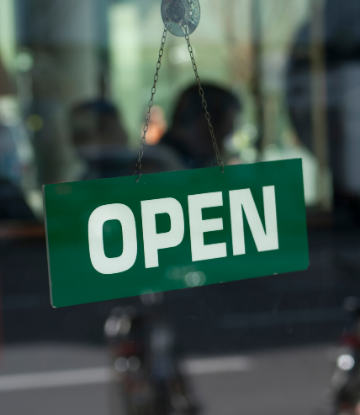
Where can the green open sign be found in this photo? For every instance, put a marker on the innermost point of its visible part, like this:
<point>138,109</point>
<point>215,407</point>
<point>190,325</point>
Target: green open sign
<point>116,238</point>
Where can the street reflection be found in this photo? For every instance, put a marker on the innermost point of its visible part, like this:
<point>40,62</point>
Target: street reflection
<point>143,348</point>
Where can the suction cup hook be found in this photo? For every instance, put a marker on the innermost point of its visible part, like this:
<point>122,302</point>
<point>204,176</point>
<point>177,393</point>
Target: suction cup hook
<point>180,17</point>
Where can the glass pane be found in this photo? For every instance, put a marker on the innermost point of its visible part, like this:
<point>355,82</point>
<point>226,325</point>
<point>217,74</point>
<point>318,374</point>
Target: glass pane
<point>281,81</point>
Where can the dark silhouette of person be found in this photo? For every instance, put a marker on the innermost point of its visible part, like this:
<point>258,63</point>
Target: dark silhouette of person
<point>342,63</point>
<point>189,136</point>
<point>101,142</point>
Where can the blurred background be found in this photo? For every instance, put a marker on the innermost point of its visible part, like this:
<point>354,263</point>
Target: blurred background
<point>282,80</point>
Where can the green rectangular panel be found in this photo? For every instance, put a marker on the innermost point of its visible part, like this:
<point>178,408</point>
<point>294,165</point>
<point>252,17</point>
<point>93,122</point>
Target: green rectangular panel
<point>116,238</point>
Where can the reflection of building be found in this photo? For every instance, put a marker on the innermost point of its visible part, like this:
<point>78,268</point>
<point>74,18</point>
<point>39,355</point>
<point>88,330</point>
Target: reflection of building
<point>7,33</point>
<point>66,41</point>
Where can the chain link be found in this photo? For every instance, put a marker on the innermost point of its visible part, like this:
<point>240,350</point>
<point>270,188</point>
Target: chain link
<point>138,165</point>
<point>219,161</point>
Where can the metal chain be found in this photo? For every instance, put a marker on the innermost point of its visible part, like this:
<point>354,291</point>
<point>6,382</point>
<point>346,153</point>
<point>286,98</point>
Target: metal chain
<point>219,161</point>
<point>138,165</point>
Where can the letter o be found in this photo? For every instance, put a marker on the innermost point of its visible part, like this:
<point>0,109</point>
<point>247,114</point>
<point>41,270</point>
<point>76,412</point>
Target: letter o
<point>99,260</point>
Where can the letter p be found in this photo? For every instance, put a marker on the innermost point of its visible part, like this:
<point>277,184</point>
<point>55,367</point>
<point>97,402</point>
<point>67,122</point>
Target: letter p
<point>154,241</point>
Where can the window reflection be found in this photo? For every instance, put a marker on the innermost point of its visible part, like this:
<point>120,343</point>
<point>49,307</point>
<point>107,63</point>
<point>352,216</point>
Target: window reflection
<point>281,79</point>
